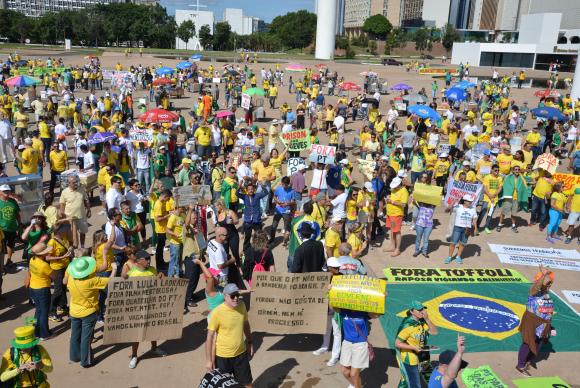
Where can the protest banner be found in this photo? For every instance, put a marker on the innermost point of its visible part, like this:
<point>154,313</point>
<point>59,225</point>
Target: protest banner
<point>138,135</point>
<point>285,303</point>
<point>428,194</point>
<point>572,296</point>
<point>218,379</point>
<point>358,293</point>
<point>187,195</point>
<point>246,100</point>
<point>144,309</point>
<point>532,261</point>
<point>547,162</point>
<point>443,149</point>
<point>456,190</point>
<point>568,181</point>
<point>545,382</point>
<point>296,140</point>
<point>401,106</point>
<point>366,167</point>
<point>293,164</point>
<point>322,154</point>
<point>566,254</point>
<point>453,275</point>
<point>515,144</point>
<point>483,376</point>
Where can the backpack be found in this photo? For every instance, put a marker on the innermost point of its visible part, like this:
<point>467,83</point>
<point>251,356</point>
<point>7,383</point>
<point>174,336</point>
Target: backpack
<point>259,266</point>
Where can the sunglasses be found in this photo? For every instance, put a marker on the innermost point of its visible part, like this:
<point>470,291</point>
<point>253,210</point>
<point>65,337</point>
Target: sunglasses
<point>234,296</point>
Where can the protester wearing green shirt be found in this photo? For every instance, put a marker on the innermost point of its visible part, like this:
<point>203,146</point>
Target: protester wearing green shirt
<point>183,174</point>
<point>9,220</point>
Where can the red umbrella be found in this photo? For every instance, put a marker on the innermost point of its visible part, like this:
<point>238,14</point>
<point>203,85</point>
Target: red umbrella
<point>349,86</point>
<point>158,116</point>
<point>162,81</point>
<point>547,93</point>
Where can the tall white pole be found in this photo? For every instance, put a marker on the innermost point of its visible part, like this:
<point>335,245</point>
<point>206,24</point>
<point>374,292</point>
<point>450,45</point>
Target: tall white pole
<point>576,81</point>
<point>325,29</point>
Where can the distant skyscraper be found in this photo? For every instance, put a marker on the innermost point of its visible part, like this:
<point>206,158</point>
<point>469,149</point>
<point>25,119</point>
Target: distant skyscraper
<point>411,13</point>
<point>461,13</point>
<point>357,11</point>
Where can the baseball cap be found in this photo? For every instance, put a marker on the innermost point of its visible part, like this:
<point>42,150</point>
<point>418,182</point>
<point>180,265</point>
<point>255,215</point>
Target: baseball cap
<point>486,152</point>
<point>185,161</point>
<point>416,305</point>
<point>142,254</point>
<point>446,356</point>
<point>402,174</point>
<point>301,167</point>
<point>466,163</point>
<point>343,161</point>
<point>384,157</point>
<point>399,146</point>
<point>162,147</point>
<point>443,155</point>
<point>230,289</point>
<point>396,182</point>
<point>336,219</point>
<point>5,188</point>
<point>333,262</point>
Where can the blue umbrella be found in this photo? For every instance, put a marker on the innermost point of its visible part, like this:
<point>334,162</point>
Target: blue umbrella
<point>456,94</point>
<point>401,86</point>
<point>464,85</point>
<point>183,65</point>
<point>424,112</point>
<point>196,57</point>
<point>164,70</point>
<point>101,137</point>
<point>549,113</point>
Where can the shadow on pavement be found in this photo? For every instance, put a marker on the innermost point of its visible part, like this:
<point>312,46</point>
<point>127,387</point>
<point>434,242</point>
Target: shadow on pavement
<point>274,376</point>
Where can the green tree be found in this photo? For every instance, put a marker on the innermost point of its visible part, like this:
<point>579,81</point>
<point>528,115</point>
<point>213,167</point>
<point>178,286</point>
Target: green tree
<point>221,36</point>
<point>341,42</point>
<point>377,26</point>
<point>186,31</point>
<point>396,38</point>
<point>295,29</point>
<point>450,35</point>
<point>373,47</point>
<point>205,36</point>
<point>423,40</point>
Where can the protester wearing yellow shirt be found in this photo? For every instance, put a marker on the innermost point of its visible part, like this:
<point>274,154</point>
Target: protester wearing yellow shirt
<point>556,212</point>
<point>492,185</point>
<point>445,127</point>
<point>332,239</point>
<point>174,229</point>
<point>573,207</point>
<point>487,118</point>
<point>202,137</point>
<point>533,137</point>
<point>504,160</point>
<point>442,169</point>
<point>541,194</point>
<point>29,159</point>
<point>469,173</point>
<point>430,160</point>
<point>396,203</point>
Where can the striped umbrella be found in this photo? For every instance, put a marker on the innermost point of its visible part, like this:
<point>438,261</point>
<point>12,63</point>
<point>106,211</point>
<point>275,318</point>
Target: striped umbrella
<point>22,81</point>
<point>295,67</point>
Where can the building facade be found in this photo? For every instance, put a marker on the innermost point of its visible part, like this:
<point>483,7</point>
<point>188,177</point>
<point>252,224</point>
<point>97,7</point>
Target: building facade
<point>37,8</point>
<point>357,11</point>
<point>199,18</point>
<point>412,13</point>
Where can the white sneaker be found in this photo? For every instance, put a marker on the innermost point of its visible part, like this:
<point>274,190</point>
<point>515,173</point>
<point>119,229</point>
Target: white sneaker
<point>332,362</point>
<point>159,352</point>
<point>320,351</point>
<point>133,363</point>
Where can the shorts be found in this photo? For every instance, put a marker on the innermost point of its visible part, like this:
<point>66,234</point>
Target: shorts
<point>354,355</point>
<point>394,223</point>
<point>9,239</point>
<point>573,218</point>
<point>82,225</point>
<point>509,207</point>
<point>459,235</point>
<point>239,366</point>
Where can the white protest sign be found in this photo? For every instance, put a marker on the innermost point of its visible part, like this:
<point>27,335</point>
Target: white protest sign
<point>293,164</point>
<point>246,101</point>
<point>322,154</point>
<point>137,134</point>
<point>216,80</point>
<point>443,149</point>
<point>569,265</point>
<point>477,152</point>
<point>572,296</point>
<point>456,190</point>
<point>565,254</point>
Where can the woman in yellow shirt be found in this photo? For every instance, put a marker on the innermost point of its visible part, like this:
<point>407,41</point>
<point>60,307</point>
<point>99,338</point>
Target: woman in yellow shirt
<point>357,240</point>
<point>350,206</point>
<point>38,278</point>
<point>125,166</point>
<point>329,117</point>
<point>556,213</point>
<point>58,258</point>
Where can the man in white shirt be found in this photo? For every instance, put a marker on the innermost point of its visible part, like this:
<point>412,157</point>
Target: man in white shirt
<point>114,197</point>
<point>216,139</point>
<point>218,257</point>
<point>88,158</point>
<point>339,202</point>
<point>5,138</point>
<point>468,129</point>
<point>244,172</point>
<point>143,156</point>
<point>392,116</point>
<point>377,96</point>
<point>60,128</point>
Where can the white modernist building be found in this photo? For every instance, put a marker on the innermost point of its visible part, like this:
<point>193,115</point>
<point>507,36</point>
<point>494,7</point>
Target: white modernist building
<point>325,29</point>
<point>239,23</point>
<point>199,18</point>
<point>536,48</point>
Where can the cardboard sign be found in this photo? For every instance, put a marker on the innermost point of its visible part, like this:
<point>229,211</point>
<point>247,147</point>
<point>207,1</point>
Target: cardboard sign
<point>216,80</point>
<point>428,194</point>
<point>569,265</point>
<point>565,254</point>
<point>246,99</point>
<point>400,106</point>
<point>139,135</point>
<point>443,149</point>
<point>144,309</point>
<point>546,162</point>
<point>293,164</point>
<point>285,303</point>
<point>296,140</point>
<point>535,382</point>
<point>367,168</point>
<point>572,296</point>
<point>483,376</point>
<point>568,181</point>
<point>187,195</point>
<point>456,190</point>
<point>453,275</point>
<point>358,293</point>
<point>322,154</point>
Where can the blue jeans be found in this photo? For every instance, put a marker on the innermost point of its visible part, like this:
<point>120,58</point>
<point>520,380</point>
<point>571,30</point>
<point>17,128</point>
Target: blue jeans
<point>103,295</point>
<point>539,211</point>
<point>120,259</point>
<point>144,178</point>
<point>555,219</point>
<point>41,299</point>
<point>483,214</point>
<point>423,233</point>
<point>81,337</point>
<point>174,259</point>
<point>413,377</point>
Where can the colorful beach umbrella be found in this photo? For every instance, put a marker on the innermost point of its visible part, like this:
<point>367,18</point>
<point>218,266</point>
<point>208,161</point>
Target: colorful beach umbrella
<point>183,65</point>
<point>456,94</point>
<point>162,81</point>
<point>424,112</point>
<point>349,86</point>
<point>164,70</point>
<point>549,113</point>
<point>22,81</point>
<point>401,86</point>
<point>464,85</point>
<point>295,67</point>
<point>255,92</point>
<point>223,113</point>
<point>158,116</point>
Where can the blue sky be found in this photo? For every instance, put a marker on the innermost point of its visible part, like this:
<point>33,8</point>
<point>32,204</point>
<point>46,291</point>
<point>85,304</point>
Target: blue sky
<point>263,9</point>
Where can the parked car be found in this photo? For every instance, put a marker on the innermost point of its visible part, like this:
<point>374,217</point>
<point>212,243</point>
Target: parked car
<point>391,62</point>
<point>427,56</point>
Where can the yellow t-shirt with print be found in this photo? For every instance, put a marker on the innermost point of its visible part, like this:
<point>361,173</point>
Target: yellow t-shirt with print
<point>414,336</point>
<point>543,187</point>
<point>58,249</point>
<point>492,184</point>
<point>175,224</point>
<point>505,163</point>
<point>351,210</point>
<point>441,168</point>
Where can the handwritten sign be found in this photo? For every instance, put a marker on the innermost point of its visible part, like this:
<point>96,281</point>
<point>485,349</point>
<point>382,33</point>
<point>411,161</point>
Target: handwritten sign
<point>428,194</point>
<point>568,181</point>
<point>246,100</point>
<point>483,376</point>
<point>367,167</point>
<point>296,140</point>
<point>322,154</point>
<point>547,382</point>
<point>144,309</point>
<point>359,293</point>
<point>443,149</point>
<point>139,135</point>
<point>547,162</point>
<point>187,195</point>
<point>293,164</point>
<point>456,190</point>
<point>285,303</point>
